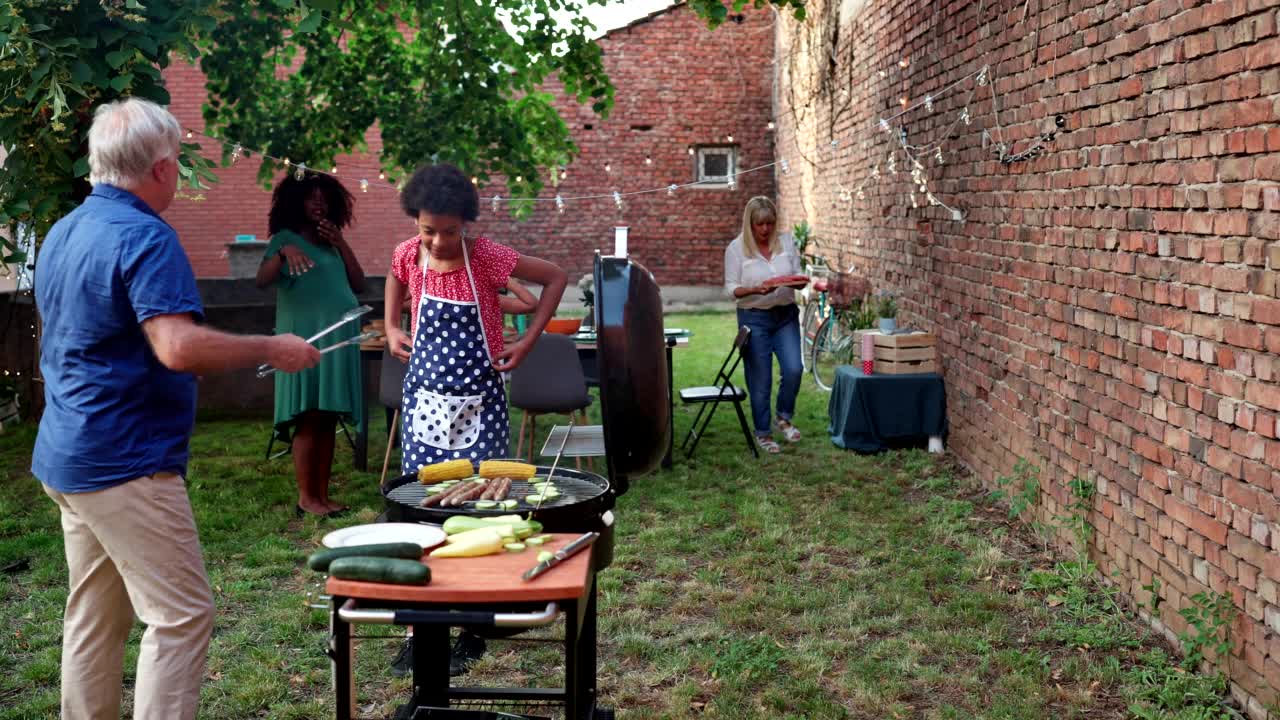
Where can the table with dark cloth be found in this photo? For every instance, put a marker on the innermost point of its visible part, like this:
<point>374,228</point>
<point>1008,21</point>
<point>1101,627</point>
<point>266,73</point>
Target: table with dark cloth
<point>874,412</point>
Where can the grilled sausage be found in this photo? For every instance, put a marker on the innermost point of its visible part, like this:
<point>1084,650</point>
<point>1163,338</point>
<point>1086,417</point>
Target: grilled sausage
<point>490,489</point>
<point>471,493</point>
<point>504,490</point>
<point>440,497</point>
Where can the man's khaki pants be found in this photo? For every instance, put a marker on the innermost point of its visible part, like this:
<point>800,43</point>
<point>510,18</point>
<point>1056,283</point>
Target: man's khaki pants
<point>133,548</point>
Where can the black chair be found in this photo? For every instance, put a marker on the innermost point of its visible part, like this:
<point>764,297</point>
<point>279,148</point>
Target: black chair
<point>723,390</point>
<point>390,393</point>
<point>550,380</point>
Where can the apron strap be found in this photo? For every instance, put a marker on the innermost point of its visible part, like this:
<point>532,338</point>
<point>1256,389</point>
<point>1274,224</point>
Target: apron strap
<point>484,334</point>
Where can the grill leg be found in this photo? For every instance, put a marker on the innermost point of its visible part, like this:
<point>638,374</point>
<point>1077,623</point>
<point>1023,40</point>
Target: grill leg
<point>431,665</point>
<point>340,658</point>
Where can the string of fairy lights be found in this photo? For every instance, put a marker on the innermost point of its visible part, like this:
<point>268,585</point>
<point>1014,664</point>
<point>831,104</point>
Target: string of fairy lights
<point>914,158</point>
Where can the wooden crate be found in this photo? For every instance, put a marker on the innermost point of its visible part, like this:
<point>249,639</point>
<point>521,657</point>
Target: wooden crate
<point>906,353</point>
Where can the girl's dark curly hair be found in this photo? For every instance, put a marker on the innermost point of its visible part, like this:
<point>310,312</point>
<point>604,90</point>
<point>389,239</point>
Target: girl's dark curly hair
<point>288,202</point>
<point>440,190</point>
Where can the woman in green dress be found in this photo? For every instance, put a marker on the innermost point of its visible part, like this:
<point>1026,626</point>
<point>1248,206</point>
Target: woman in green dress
<point>316,277</point>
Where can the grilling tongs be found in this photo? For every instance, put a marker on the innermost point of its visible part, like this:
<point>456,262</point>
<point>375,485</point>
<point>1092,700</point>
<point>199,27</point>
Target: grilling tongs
<point>265,369</point>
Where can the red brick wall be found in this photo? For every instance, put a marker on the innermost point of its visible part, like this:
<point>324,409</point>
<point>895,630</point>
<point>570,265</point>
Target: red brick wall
<point>1108,310</point>
<point>690,85</point>
<point>209,219</point>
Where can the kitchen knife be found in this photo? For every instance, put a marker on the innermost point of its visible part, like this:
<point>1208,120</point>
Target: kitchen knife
<point>561,555</point>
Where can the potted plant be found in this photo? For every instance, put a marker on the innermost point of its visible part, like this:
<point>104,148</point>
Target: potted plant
<point>887,311</point>
<point>587,285</point>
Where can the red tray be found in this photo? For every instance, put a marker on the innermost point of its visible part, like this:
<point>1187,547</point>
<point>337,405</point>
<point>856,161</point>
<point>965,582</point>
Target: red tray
<point>484,580</point>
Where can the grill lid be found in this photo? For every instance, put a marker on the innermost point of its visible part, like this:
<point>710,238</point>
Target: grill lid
<point>632,357</point>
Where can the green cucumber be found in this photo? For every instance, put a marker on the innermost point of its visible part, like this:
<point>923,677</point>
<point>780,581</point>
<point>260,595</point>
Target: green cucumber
<point>509,503</point>
<point>381,570</point>
<point>486,504</point>
<point>514,547</point>
<point>535,540</point>
<point>545,556</point>
<point>322,559</point>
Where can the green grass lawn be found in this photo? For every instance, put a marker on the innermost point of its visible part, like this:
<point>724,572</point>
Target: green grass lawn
<point>814,584</point>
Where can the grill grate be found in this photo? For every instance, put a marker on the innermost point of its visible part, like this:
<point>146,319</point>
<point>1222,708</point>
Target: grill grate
<point>573,490</point>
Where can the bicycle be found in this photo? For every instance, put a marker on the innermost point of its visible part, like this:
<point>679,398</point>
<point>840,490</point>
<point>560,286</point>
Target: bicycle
<point>836,341</point>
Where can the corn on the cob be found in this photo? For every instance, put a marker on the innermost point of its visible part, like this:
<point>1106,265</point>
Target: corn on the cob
<point>506,468</point>
<point>449,470</point>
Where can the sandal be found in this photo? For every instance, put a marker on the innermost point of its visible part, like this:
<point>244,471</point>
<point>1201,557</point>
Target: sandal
<point>768,444</point>
<point>788,430</point>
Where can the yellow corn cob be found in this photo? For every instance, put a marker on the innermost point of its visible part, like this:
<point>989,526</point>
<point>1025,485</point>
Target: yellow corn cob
<point>506,468</point>
<point>449,470</point>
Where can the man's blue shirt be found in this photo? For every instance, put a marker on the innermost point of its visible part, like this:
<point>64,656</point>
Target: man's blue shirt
<point>112,411</point>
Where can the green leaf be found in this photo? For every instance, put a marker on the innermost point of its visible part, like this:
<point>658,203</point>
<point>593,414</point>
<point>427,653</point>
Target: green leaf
<point>116,58</point>
<point>120,82</point>
<point>81,168</point>
<point>326,5</point>
<point>81,72</point>
<point>309,23</point>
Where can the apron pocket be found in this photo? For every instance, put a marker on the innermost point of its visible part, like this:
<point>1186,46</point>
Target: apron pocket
<point>446,422</point>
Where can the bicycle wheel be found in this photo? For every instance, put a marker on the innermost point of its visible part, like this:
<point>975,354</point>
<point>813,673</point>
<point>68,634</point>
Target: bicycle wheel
<point>833,346</point>
<point>810,321</point>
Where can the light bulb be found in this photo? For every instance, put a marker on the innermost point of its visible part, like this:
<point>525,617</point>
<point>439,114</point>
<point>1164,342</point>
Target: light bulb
<point>334,170</point>
<point>770,125</point>
<point>496,200</point>
<point>903,101</point>
<point>559,204</point>
<point>733,183</point>
<point>235,153</point>
<point>382,176</point>
<point>903,63</point>
<point>928,103</point>
<point>188,134</point>
<point>608,167</point>
<point>671,189</point>
<point>786,166</point>
<point>519,178</point>
<point>690,149</point>
<point>301,172</point>
<point>728,138</point>
<point>617,199</point>
<point>364,185</point>
<point>648,160</point>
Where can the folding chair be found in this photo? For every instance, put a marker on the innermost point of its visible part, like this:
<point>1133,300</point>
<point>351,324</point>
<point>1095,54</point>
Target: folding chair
<point>549,381</point>
<point>723,390</point>
<point>390,394</point>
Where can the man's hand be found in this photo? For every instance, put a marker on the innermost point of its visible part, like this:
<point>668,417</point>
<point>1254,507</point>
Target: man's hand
<point>399,343</point>
<point>295,259</point>
<point>290,353</point>
<point>512,355</point>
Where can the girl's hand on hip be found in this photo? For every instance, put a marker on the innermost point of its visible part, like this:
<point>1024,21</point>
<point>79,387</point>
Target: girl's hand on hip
<point>512,355</point>
<point>399,343</point>
<point>295,260</point>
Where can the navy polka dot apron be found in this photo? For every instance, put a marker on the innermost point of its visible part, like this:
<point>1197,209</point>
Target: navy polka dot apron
<point>454,402</point>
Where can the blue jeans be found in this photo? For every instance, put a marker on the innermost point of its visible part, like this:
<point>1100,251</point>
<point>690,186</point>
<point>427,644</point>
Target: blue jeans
<point>775,331</point>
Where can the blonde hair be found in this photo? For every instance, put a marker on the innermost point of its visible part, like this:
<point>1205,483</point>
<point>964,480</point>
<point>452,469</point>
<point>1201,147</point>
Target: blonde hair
<point>759,208</point>
<point>128,137</point>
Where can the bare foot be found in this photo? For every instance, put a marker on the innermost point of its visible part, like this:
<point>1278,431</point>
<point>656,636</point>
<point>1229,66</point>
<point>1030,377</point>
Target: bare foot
<point>312,506</point>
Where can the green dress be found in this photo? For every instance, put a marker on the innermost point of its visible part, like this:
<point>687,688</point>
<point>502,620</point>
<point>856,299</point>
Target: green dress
<point>305,305</point>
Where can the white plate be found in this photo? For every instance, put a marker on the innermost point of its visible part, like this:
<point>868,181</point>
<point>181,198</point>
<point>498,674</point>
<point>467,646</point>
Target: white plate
<point>428,536</point>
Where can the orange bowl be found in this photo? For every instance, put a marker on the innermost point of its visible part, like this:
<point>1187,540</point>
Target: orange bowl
<point>563,326</point>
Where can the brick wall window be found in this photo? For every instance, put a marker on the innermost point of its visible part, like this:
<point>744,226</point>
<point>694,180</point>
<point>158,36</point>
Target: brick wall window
<point>715,163</point>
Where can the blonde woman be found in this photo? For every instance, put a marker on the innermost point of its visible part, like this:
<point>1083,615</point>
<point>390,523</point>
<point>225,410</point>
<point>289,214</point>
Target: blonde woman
<point>755,257</point>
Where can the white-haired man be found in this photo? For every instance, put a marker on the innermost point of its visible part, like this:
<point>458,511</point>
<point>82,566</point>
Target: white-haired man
<point>120,352</point>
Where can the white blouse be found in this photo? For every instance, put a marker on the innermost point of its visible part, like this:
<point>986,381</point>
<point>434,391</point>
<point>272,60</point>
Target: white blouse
<point>743,271</point>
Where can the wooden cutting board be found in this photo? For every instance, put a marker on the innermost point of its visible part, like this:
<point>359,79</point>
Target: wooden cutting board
<point>484,580</point>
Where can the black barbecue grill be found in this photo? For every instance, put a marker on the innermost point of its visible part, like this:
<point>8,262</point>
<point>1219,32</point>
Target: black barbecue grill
<point>635,402</point>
